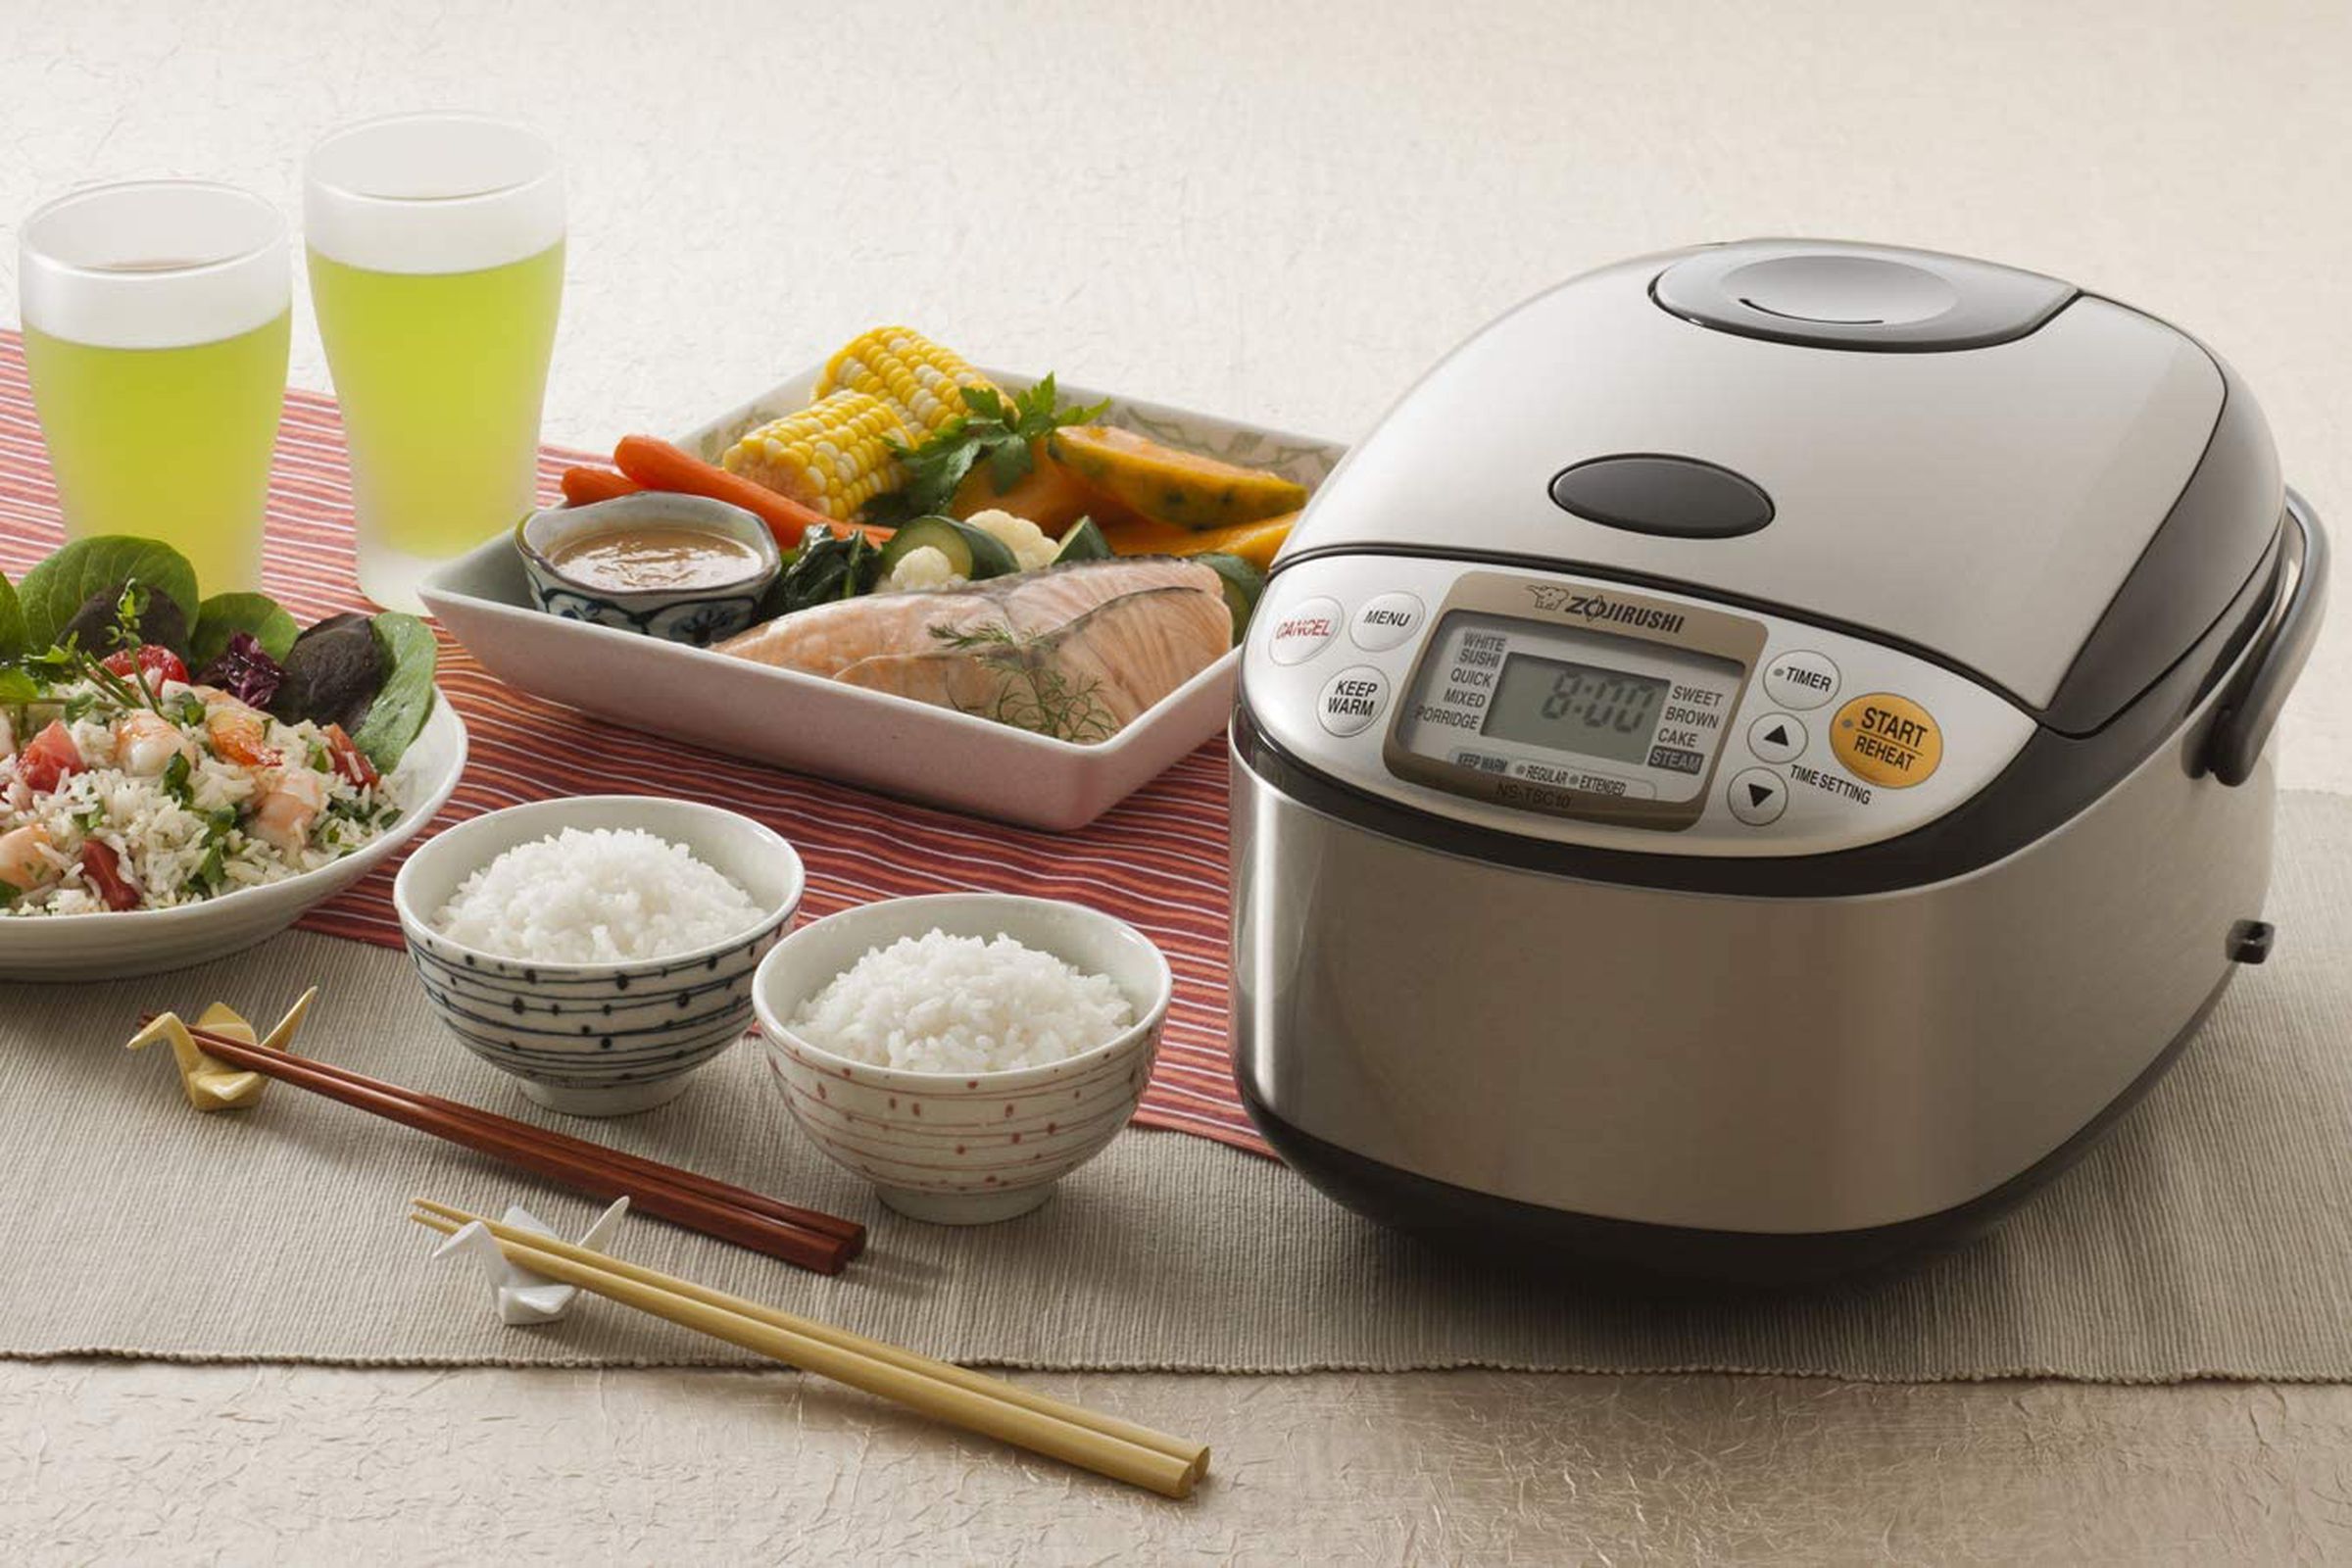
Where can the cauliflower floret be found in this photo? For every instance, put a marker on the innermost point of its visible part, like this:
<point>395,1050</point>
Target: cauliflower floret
<point>923,567</point>
<point>1030,547</point>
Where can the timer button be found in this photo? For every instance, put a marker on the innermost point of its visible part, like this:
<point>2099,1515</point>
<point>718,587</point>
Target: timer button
<point>1802,680</point>
<point>1385,621</point>
<point>1304,630</point>
<point>1758,796</point>
<point>1777,738</point>
<point>1352,700</point>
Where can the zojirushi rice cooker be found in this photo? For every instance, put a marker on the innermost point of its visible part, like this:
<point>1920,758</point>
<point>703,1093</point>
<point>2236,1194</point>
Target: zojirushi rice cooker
<point>1759,758</point>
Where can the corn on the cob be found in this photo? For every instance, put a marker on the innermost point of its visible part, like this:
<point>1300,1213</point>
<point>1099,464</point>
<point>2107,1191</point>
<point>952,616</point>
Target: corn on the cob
<point>834,455</point>
<point>922,382</point>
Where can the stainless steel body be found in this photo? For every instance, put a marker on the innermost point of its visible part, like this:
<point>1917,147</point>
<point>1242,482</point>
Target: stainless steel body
<point>1769,1064</point>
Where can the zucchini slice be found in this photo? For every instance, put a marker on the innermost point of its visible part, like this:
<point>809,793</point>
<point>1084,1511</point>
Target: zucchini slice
<point>1242,584</point>
<point>972,553</point>
<point>1083,542</point>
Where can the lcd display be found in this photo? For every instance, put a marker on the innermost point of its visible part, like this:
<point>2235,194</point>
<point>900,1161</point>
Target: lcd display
<point>1579,709</point>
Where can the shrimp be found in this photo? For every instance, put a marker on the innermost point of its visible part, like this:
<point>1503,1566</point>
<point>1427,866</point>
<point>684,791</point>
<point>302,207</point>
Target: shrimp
<point>237,732</point>
<point>22,864</point>
<point>146,742</point>
<point>289,802</point>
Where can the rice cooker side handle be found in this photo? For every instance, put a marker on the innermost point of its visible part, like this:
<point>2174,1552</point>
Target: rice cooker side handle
<point>2244,724</point>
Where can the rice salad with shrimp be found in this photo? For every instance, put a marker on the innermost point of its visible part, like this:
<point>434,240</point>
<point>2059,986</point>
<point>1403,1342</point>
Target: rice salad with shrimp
<point>147,794</point>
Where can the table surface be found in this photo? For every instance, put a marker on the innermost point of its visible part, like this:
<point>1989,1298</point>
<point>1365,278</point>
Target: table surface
<point>1286,216</point>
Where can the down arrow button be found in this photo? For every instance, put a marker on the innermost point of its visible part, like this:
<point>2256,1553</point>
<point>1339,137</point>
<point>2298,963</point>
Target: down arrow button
<point>1758,796</point>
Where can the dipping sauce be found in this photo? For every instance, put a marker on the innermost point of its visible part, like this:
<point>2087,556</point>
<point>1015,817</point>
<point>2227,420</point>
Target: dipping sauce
<point>656,555</point>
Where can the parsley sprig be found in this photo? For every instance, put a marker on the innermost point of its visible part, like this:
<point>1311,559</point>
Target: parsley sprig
<point>992,428</point>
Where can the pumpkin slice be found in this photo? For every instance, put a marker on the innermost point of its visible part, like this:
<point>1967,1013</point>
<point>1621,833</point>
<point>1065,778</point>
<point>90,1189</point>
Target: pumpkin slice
<point>1166,486</point>
<point>1253,542</point>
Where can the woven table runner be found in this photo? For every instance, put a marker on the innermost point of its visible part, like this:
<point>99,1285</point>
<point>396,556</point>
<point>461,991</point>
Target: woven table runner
<point>2209,1236</point>
<point>1158,860</point>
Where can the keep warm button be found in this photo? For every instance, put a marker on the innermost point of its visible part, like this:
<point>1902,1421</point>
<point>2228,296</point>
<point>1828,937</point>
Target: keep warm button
<point>1353,699</point>
<point>1885,739</point>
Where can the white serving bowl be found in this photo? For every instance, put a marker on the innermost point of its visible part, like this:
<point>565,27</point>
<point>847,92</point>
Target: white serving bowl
<point>597,1039</point>
<point>120,944</point>
<point>965,1148</point>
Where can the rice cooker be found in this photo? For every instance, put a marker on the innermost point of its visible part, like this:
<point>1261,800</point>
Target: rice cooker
<point>1758,758</point>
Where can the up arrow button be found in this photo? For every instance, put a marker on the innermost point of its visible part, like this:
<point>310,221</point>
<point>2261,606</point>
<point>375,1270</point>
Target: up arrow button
<point>1777,738</point>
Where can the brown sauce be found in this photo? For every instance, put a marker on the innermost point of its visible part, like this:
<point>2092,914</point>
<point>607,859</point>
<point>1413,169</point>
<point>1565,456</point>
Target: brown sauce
<point>656,555</point>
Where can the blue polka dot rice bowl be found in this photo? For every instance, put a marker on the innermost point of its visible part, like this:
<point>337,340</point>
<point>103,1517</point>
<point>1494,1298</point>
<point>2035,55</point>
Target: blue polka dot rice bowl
<point>602,1038</point>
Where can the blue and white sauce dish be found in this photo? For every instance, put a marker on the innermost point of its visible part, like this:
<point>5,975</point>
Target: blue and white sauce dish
<point>600,1039</point>
<point>697,614</point>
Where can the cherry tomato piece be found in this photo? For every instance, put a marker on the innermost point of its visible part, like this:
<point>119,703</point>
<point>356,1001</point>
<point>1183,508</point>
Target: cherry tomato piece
<point>153,661</point>
<point>102,868</point>
<point>49,759</point>
<point>350,761</point>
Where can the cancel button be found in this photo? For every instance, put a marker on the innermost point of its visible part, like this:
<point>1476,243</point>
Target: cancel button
<point>1352,700</point>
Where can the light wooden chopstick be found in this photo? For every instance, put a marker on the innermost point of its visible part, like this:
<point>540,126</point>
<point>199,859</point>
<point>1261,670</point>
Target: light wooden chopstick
<point>992,1406</point>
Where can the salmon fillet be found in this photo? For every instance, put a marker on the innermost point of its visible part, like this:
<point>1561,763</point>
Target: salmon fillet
<point>1078,651</point>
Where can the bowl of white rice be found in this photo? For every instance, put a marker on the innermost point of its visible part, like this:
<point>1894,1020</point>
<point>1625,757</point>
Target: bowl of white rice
<point>601,948</point>
<point>966,1051</point>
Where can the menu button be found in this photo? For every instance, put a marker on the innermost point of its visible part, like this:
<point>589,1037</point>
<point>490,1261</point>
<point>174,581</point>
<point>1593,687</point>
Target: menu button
<point>1385,621</point>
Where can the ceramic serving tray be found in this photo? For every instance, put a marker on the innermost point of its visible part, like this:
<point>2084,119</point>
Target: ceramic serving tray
<point>813,725</point>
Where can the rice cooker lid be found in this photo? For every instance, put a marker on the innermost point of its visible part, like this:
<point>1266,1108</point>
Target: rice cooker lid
<point>2050,490</point>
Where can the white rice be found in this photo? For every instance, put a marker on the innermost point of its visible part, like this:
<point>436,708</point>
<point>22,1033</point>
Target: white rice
<point>600,896</point>
<point>941,1003</point>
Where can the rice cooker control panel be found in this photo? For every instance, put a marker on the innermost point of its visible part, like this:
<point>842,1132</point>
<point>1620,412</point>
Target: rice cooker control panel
<point>1589,713</point>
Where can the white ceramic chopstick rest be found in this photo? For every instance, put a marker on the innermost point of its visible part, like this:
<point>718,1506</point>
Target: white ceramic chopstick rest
<point>524,1297</point>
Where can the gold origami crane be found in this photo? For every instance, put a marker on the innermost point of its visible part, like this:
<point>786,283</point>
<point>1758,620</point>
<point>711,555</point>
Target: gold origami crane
<point>210,1083</point>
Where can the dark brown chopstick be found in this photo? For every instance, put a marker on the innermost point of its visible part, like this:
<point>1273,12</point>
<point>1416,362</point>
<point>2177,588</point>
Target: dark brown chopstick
<point>808,1238</point>
<point>708,1186</point>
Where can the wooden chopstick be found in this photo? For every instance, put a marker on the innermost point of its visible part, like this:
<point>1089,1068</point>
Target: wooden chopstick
<point>847,1340</point>
<point>708,1186</point>
<point>574,1162</point>
<point>991,1407</point>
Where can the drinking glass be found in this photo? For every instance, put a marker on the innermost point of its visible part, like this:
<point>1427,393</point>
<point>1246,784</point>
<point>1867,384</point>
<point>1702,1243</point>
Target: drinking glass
<point>156,319</point>
<point>436,257</point>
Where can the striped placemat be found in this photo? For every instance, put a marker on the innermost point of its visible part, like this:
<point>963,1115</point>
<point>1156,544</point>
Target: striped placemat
<point>1158,860</point>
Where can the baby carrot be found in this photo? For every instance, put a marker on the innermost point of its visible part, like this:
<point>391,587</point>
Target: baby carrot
<point>656,465</point>
<point>586,486</point>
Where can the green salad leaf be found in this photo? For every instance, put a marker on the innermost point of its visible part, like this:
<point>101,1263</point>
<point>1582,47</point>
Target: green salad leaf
<point>53,592</point>
<point>223,616</point>
<point>397,715</point>
<point>11,623</point>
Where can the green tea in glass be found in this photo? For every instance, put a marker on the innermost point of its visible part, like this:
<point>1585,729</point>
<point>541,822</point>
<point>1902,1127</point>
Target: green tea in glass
<point>155,318</point>
<point>436,262</point>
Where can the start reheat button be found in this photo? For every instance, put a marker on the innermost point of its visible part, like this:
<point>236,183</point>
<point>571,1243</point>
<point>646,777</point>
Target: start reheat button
<point>1888,740</point>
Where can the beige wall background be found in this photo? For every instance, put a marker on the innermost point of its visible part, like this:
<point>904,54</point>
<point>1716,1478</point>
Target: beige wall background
<point>1283,212</point>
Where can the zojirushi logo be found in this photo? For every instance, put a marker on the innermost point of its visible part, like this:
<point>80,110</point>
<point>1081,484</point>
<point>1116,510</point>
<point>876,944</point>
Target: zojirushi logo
<point>1593,606</point>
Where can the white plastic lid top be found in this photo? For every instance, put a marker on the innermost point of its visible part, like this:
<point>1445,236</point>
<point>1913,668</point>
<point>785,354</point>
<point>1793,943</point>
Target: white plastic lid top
<point>153,265</point>
<point>432,193</point>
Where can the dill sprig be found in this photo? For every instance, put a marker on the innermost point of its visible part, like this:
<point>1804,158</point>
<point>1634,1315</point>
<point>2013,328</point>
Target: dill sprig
<point>1035,695</point>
